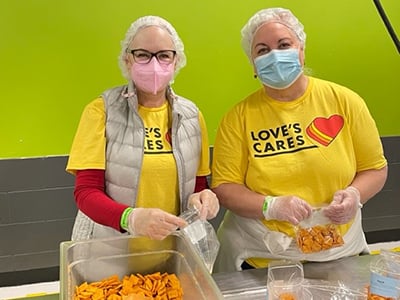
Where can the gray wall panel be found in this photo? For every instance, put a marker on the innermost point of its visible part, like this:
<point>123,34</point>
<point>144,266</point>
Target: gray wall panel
<point>7,264</point>
<point>9,235</point>
<point>384,223</point>
<point>37,211</point>
<point>34,173</point>
<point>36,260</point>
<point>391,146</point>
<point>42,236</point>
<point>31,237</point>
<point>4,209</point>
<point>28,261</point>
<point>393,180</point>
<point>21,174</point>
<point>46,204</point>
<point>382,205</point>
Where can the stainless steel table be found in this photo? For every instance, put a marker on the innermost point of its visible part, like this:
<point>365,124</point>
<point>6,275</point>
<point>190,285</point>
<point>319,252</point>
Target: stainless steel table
<point>251,284</point>
<point>353,272</point>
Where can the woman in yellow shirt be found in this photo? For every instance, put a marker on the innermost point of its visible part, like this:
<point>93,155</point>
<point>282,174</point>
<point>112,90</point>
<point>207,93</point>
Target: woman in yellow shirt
<point>140,154</point>
<point>295,145</point>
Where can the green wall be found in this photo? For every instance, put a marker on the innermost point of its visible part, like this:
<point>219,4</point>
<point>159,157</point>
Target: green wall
<point>56,56</point>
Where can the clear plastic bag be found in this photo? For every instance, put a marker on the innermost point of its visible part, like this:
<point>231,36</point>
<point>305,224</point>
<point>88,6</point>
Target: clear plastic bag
<point>385,276</point>
<point>286,281</point>
<point>322,289</point>
<point>317,233</point>
<point>202,235</point>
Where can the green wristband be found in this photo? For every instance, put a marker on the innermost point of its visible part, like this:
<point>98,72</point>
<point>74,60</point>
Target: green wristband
<point>124,218</point>
<point>267,200</point>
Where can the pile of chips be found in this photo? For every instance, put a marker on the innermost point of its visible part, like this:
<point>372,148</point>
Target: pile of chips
<point>155,286</point>
<point>377,297</point>
<point>287,296</point>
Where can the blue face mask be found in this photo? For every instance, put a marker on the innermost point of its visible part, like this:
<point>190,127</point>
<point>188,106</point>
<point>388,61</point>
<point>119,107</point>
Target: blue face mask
<point>278,69</point>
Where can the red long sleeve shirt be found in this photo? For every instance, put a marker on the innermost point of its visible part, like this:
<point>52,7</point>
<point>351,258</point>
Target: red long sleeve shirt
<point>91,199</point>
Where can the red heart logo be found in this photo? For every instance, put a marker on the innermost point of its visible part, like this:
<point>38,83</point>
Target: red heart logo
<point>324,130</point>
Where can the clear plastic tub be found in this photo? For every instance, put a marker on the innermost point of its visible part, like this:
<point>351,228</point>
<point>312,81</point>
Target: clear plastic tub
<point>93,260</point>
<point>385,276</point>
<point>285,281</point>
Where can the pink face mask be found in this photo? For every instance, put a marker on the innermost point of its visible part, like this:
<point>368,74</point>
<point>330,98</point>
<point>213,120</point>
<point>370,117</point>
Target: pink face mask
<point>153,76</point>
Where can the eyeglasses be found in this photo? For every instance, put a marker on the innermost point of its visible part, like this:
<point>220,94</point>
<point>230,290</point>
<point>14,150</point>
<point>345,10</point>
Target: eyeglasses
<point>142,56</point>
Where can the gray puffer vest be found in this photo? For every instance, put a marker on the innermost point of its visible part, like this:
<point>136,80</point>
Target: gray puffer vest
<point>125,135</point>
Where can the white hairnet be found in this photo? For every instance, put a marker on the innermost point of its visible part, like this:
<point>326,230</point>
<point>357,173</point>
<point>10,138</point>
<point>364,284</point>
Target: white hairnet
<point>145,22</point>
<point>277,14</point>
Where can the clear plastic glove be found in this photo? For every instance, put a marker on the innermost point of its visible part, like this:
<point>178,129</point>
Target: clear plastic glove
<point>206,202</point>
<point>344,206</point>
<point>153,223</point>
<point>288,208</point>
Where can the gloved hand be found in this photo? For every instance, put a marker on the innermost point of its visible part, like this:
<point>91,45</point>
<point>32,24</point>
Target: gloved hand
<point>287,208</point>
<point>153,223</point>
<point>206,202</point>
<point>344,205</point>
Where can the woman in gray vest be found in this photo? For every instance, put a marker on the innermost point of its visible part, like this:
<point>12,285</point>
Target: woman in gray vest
<point>140,154</point>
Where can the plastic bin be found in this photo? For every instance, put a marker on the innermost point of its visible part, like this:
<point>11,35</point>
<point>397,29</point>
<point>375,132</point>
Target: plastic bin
<point>93,260</point>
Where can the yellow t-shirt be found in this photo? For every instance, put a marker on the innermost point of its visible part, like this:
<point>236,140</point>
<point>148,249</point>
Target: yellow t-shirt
<point>158,179</point>
<point>309,147</point>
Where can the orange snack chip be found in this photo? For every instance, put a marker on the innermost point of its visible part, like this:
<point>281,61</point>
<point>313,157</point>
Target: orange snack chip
<point>377,297</point>
<point>155,286</point>
<point>287,296</point>
<point>318,238</point>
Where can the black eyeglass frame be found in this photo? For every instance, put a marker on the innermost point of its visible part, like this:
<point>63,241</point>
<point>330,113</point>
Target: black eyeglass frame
<point>153,54</point>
